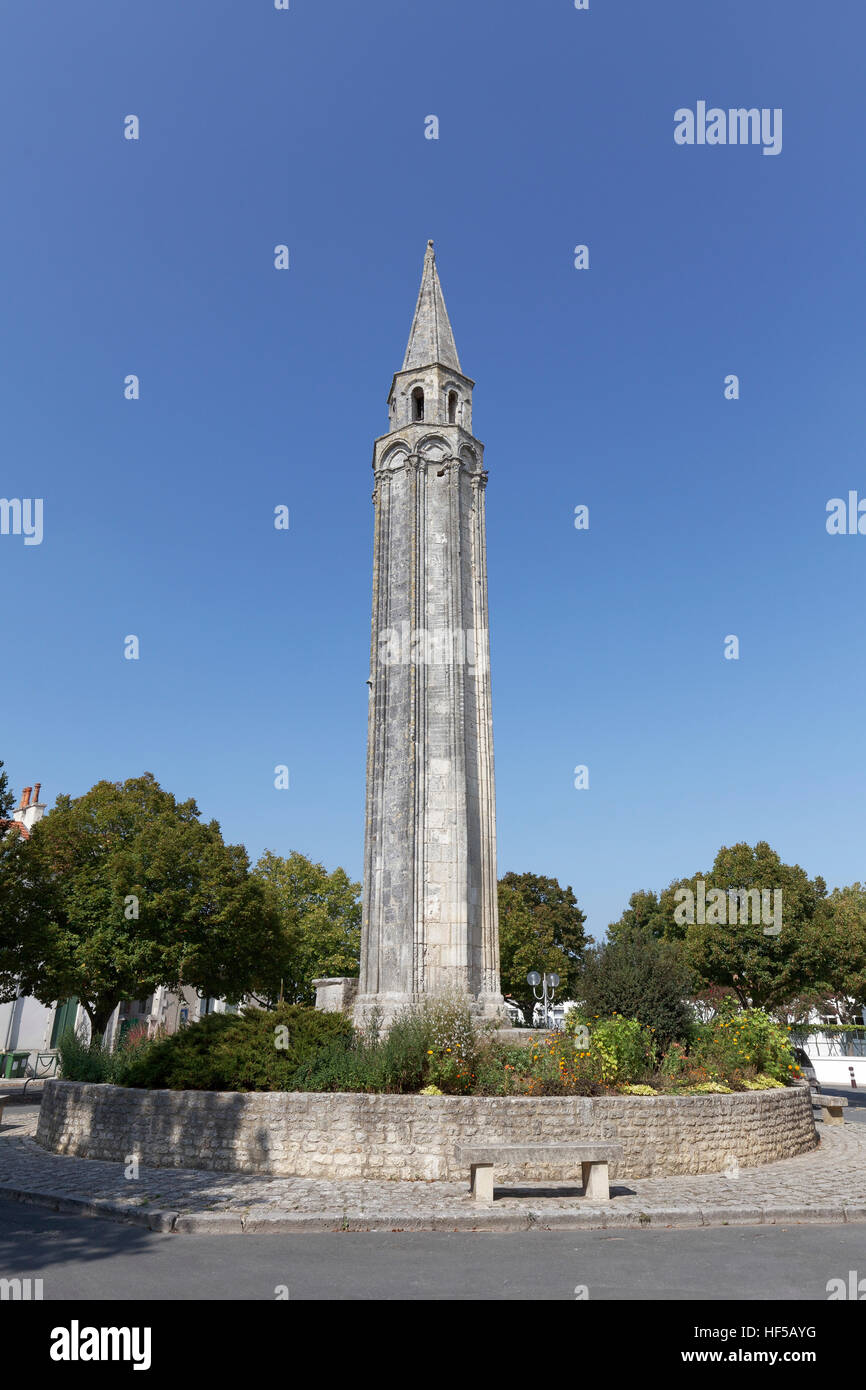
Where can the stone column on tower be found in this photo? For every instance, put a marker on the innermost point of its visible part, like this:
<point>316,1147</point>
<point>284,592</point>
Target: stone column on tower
<point>430,922</point>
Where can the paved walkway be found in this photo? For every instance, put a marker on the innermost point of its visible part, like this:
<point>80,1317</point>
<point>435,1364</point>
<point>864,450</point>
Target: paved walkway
<point>826,1185</point>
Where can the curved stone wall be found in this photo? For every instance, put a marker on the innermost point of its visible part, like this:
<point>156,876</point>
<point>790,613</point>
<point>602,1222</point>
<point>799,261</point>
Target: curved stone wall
<point>306,1134</point>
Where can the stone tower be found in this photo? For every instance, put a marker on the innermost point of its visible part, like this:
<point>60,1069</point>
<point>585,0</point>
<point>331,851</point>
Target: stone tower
<point>430,921</point>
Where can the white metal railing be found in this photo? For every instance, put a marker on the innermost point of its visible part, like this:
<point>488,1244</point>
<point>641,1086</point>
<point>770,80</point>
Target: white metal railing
<point>818,1044</point>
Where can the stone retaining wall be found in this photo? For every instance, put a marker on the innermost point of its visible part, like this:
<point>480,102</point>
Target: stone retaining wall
<point>305,1134</point>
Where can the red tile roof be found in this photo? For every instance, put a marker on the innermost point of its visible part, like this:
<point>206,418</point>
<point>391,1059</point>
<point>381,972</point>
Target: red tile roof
<point>6,825</point>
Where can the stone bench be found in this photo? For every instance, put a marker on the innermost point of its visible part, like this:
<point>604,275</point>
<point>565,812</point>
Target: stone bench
<point>831,1108</point>
<point>593,1159</point>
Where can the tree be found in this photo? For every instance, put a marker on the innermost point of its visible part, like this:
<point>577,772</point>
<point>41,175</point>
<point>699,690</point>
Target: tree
<point>645,912</point>
<point>640,976</point>
<point>7,797</point>
<point>125,889</point>
<point>540,928</point>
<point>320,925</point>
<point>763,969</point>
<point>836,943</point>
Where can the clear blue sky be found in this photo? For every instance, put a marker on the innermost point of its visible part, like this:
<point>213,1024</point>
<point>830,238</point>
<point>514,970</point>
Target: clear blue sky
<point>604,387</point>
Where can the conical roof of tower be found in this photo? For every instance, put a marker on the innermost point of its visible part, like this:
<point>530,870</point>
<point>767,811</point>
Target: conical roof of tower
<point>430,337</point>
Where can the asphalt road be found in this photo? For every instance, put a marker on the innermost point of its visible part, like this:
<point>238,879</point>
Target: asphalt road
<point>81,1258</point>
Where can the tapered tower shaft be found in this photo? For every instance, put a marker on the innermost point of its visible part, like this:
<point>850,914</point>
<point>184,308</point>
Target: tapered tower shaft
<point>430,920</point>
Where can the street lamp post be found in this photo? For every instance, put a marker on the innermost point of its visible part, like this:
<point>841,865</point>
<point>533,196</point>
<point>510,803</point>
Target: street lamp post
<point>549,983</point>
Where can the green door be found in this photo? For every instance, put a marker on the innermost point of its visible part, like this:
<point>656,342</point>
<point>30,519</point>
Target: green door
<point>64,1019</point>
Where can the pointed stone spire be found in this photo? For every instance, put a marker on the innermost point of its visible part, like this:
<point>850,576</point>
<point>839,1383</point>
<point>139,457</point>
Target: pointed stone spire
<point>430,338</point>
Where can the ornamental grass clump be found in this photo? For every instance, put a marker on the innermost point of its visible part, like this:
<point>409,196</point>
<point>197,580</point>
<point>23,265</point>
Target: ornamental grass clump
<point>91,1060</point>
<point>82,1060</point>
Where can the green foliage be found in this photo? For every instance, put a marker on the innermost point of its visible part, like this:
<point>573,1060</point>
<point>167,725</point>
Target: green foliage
<point>557,1066</point>
<point>432,1049</point>
<point>83,1060</point>
<point>763,970</point>
<point>540,928</point>
<point>432,1043</point>
<point>7,798</point>
<point>627,1047</point>
<point>452,1044</point>
<point>501,1070</point>
<point>640,977</point>
<point>674,1064</point>
<point>837,949</point>
<point>399,1060</point>
<point>125,889</point>
<point>821,947</point>
<point>341,1067</point>
<point>745,1044</point>
<point>319,914</point>
<point>646,913</point>
<point>259,1050</point>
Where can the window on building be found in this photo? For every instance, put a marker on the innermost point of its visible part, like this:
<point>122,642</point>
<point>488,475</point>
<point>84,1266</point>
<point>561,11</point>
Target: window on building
<point>417,404</point>
<point>452,407</point>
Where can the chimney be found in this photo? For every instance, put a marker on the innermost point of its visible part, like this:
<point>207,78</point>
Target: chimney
<point>29,812</point>
<point>36,790</point>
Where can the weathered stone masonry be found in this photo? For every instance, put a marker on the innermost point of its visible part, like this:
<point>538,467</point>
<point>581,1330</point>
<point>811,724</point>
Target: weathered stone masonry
<point>307,1134</point>
<point>429,915</point>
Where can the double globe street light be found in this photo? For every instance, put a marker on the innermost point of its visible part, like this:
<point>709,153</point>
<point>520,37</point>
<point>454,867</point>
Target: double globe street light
<point>549,983</point>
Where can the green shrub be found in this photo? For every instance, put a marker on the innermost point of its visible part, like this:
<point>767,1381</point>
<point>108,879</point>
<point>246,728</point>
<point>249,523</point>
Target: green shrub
<point>626,1047</point>
<point>501,1070</point>
<point>637,976</point>
<point>129,1051</point>
<point>338,1067</point>
<point>555,1066</point>
<point>431,1043</point>
<point>81,1060</point>
<point>623,1048</point>
<point>259,1050</point>
<point>433,1048</point>
<point>743,1044</point>
<point>674,1064</point>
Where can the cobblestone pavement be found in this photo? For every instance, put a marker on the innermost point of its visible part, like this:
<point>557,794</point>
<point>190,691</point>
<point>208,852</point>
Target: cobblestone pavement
<point>826,1185</point>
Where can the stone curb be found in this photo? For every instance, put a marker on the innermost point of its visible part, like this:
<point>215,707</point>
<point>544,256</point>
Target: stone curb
<point>590,1218</point>
<point>153,1218</point>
